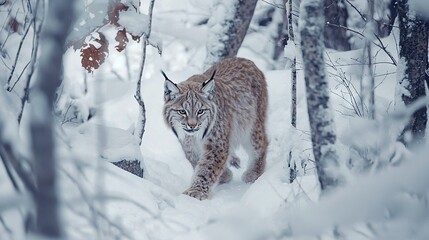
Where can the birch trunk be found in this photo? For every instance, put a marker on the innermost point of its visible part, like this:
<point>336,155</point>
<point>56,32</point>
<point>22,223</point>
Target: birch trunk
<point>367,80</point>
<point>225,37</point>
<point>53,37</point>
<point>318,105</point>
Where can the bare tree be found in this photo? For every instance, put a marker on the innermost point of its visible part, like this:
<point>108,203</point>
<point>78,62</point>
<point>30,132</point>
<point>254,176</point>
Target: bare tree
<point>225,37</point>
<point>280,38</point>
<point>335,32</point>
<point>367,80</point>
<point>141,121</point>
<point>293,66</point>
<point>413,61</point>
<point>318,105</point>
<point>53,37</point>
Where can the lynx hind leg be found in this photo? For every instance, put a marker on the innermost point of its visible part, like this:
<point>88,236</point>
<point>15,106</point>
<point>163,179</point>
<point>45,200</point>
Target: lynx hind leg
<point>257,150</point>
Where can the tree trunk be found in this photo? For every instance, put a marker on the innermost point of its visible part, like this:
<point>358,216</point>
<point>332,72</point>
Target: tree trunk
<point>58,22</point>
<point>336,15</point>
<point>318,105</point>
<point>413,61</point>
<point>141,120</point>
<point>225,37</point>
<point>367,80</point>
<point>385,25</point>
<point>280,37</point>
<point>293,67</point>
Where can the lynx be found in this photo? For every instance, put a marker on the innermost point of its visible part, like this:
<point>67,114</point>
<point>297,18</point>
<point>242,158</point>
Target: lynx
<point>214,113</point>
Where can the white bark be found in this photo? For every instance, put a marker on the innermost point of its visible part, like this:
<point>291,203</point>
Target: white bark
<point>367,80</point>
<point>58,22</point>
<point>320,115</point>
<point>141,121</point>
<point>229,25</point>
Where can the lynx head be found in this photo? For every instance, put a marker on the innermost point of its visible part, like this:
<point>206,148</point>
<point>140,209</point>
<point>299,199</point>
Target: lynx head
<point>188,107</point>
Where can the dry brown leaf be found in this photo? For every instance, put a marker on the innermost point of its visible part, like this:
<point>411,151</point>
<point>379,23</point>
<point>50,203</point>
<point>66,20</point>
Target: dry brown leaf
<point>115,6</point>
<point>13,25</point>
<point>92,56</point>
<point>122,39</point>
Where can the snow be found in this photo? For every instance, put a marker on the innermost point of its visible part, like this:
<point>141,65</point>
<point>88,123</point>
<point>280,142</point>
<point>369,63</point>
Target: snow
<point>420,7</point>
<point>387,202</point>
<point>135,23</point>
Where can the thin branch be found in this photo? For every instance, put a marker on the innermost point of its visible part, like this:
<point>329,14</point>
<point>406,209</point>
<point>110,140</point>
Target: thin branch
<point>137,96</point>
<point>274,4</point>
<point>32,62</point>
<point>346,28</point>
<point>18,53</point>
<point>380,44</point>
<point>357,10</point>
<point>9,172</point>
<point>6,153</point>
<point>385,50</point>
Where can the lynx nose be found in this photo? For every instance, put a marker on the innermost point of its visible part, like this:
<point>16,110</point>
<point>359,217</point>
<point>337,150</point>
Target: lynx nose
<point>192,123</point>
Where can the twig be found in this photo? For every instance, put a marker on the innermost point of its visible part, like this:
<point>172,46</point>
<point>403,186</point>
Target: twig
<point>346,28</point>
<point>380,44</point>
<point>6,153</point>
<point>385,50</point>
<point>32,62</point>
<point>17,57</point>
<point>274,4</point>
<point>9,172</point>
<point>357,10</point>
<point>142,115</point>
<point>3,223</point>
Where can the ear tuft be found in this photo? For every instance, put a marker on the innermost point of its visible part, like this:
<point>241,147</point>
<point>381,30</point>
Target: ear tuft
<point>171,90</point>
<point>208,86</point>
<point>165,75</point>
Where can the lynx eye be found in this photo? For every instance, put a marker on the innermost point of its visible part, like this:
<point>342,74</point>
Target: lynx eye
<point>201,111</point>
<point>181,112</point>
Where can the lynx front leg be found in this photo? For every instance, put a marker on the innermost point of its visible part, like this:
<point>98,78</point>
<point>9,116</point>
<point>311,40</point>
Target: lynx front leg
<point>192,150</point>
<point>208,169</point>
<point>258,152</point>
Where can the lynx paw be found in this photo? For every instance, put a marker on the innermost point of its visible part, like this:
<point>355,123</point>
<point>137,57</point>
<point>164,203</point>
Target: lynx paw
<point>196,193</point>
<point>250,176</point>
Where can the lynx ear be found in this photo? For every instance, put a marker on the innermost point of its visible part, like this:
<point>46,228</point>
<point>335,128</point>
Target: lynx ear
<point>170,88</point>
<point>208,87</point>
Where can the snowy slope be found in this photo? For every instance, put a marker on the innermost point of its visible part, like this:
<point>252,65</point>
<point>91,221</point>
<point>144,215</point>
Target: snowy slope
<point>153,207</point>
<point>167,172</point>
<point>98,195</point>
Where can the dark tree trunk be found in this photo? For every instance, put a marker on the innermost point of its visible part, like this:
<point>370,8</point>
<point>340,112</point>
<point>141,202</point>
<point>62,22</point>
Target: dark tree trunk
<point>281,37</point>
<point>230,35</point>
<point>318,105</point>
<point>385,25</point>
<point>293,66</point>
<point>336,16</point>
<point>58,22</point>
<point>413,61</point>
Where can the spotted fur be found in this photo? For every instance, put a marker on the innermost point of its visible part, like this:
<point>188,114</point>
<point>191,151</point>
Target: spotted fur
<point>215,112</point>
